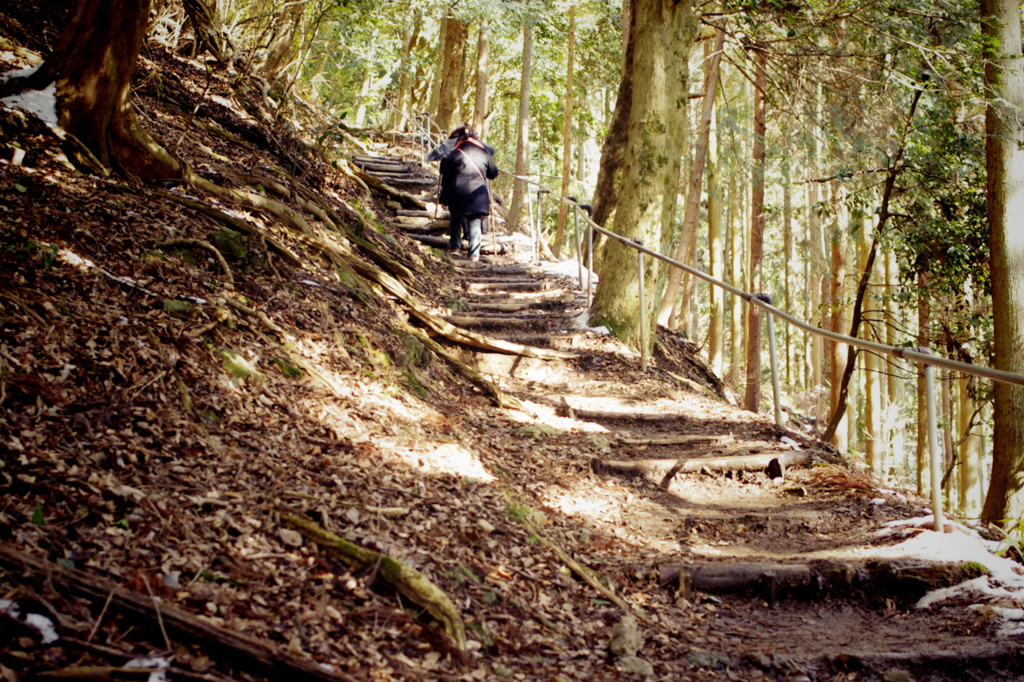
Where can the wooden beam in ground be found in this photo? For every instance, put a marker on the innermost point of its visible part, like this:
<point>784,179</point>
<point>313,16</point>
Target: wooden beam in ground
<point>662,471</point>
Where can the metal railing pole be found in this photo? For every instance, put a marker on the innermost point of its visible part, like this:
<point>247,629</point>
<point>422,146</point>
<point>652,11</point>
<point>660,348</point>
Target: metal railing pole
<point>535,247</point>
<point>643,308</point>
<point>590,263</point>
<point>576,232</point>
<point>935,462</point>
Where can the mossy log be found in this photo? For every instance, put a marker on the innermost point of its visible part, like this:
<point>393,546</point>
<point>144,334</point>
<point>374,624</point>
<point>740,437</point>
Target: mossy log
<point>407,580</point>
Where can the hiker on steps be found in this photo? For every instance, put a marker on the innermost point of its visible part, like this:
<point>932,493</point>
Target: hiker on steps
<point>465,192</point>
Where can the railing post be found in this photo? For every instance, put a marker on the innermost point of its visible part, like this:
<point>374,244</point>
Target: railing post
<point>540,221</point>
<point>590,253</point>
<point>774,358</point>
<point>533,228</point>
<point>643,308</point>
<point>576,232</point>
<point>935,461</point>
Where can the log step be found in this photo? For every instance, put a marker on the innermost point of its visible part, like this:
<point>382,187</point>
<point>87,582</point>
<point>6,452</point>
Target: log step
<point>532,286</point>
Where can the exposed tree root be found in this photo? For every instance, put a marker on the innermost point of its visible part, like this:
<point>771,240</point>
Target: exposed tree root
<point>467,372</point>
<point>407,580</point>
<point>200,244</point>
<point>237,224</point>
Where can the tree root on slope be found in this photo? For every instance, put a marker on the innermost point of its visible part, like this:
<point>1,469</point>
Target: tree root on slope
<point>407,580</point>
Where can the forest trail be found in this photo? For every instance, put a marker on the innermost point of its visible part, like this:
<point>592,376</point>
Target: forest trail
<point>792,565</point>
<point>169,418</point>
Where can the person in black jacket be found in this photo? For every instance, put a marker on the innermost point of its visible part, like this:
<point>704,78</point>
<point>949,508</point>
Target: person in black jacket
<point>465,171</point>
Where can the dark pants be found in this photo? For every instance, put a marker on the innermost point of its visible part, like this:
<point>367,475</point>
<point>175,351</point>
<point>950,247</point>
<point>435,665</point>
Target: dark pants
<point>472,225</point>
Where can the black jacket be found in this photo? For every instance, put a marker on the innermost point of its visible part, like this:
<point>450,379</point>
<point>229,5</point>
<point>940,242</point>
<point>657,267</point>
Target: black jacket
<point>463,172</point>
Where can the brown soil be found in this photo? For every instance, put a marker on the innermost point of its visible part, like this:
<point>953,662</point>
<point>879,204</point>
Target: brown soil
<point>135,451</point>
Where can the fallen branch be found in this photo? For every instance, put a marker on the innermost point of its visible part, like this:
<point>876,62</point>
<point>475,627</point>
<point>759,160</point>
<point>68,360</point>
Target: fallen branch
<point>407,580</point>
<point>239,650</point>
<point>587,575</point>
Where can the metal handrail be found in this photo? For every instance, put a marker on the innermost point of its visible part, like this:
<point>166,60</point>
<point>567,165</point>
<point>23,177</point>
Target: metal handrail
<point>921,356</point>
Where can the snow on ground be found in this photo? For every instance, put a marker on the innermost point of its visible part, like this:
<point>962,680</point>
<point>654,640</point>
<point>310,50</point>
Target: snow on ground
<point>40,103</point>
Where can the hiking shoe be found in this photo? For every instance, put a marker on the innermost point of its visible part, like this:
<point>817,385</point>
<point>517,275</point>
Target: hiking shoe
<point>475,259</point>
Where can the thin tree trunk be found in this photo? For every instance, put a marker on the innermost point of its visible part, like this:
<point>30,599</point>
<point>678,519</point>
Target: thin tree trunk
<point>752,396</point>
<point>404,102</point>
<point>839,403</point>
<point>923,441</point>
<point>519,187</point>
<point>563,208</point>
<point>688,231</point>
<point>483,67</point>
<point>716,256</point>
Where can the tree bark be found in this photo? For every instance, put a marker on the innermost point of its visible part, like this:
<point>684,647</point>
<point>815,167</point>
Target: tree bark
<point>752,395</point>
<point>453,56</point>
<point>483,66</point>
<point>646,204</point>
<point>688,231</point>
<point>519,188</point>
<point>1004,157</point>
<point>208,29</point>
<point>92,66</point>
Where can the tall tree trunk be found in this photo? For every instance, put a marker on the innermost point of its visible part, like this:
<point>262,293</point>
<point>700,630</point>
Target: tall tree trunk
<point>520,188</point>
<point>92,66</point>
<point>404,101</point>
<point>563,208</point>
<point>969,448</point>
<point>1004,157</point>
<point>716,255</point>
<point>665,30</point>
<point>923,441</point>
<point>752,396</point>
<point>609,173</point>
<point>837,321</point>
<point>434,103</point>
<point>452,75</point>
<point>483,67</point>
<point>839,396</point>
<point>688,231</point>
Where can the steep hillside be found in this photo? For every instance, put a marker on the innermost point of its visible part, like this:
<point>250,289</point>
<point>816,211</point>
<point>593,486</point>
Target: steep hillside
<point>247,432</point>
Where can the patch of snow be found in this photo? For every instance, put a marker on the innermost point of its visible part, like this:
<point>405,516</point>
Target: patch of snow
<point>18,73</point>
<point>38,622</point>
<point>159,667</point>
<point>40,103</point>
